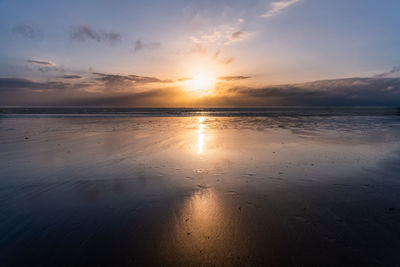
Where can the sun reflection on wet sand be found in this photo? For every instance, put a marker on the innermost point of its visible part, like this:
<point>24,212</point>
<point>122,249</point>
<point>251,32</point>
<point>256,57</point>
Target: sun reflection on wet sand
<point>200,136</point>
<point>202,231</point>
<point>196,228</point>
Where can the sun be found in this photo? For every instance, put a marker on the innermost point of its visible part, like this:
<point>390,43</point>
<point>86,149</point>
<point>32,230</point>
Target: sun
<point>202,83</point>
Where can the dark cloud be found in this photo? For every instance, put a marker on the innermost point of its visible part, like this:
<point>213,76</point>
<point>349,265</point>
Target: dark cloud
<point>238,36</point>
<point>45,69</point>
<point>111,37</point>
<point>19,83</point>
<point>233,78</point>
<point>28,31</point>
<point>340,92</point>
<point>70,77</point>
<point>152,98</point>
<point>16,83</point>
<point>144,79</point>
<point>113,81</point>
<point>386,74</point>
<point>120,81</point>
<point>85,32</point>
<point>134,78</point>
<point>140,45</point>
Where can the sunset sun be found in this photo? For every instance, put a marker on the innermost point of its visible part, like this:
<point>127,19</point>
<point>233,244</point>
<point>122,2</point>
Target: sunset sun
<point>202,83</point>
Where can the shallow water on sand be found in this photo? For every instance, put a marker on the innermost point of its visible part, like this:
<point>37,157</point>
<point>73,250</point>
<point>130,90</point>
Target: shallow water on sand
<point>277,191</point>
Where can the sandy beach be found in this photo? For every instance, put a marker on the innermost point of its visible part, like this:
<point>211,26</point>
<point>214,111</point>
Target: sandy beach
<point>189,191</point>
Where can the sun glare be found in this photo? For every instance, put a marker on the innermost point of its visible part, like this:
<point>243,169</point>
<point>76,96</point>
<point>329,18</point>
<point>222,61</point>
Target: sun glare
<point>201,83</point>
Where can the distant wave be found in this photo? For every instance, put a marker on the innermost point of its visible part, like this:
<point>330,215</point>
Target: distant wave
<point>193,112</point>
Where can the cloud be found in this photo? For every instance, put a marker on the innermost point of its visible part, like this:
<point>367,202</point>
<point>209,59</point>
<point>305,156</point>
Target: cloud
<point>119,82</point>
<point>115,82</point>
<point>216,57</point>
<point>223,34</point>
<point>184,79</point>
<point>43,62</point>
<point>12,83</point>
<point>20,83</point>
<point>13,93</point>
<point>44,65</point>
<point>229,60</point>
<point>277,7</point>
<point>28,31</point>
<point>134,78</point>
<point>139,45</point>
<point>199,49</point>
<point>233,78</point>
<point>84,32</point>
<point>238,36</point>
<point>211,37</point>
<point>144,79</point>
<point>151,98</point>
<point>386,74</point>
<point>216,54</point>
<point>340,92</point>
<point>70,77</point>
<point>111,37</point>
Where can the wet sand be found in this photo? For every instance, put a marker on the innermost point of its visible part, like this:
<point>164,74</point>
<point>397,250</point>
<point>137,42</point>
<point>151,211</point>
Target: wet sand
<point>190,191</point>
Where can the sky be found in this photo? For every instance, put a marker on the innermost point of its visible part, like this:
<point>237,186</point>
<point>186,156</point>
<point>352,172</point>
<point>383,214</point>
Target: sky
<point>199,53</point>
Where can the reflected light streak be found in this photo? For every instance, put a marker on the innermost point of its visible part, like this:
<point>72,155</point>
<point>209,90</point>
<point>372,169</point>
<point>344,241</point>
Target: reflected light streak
<point>200,136</point>
<point>200,226</point>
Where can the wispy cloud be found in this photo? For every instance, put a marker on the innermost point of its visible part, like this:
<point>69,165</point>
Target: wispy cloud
<point>207,37</point>
<point>140,45</point>
<point>85,32</point>
<point>238,36</point>
<point>145,79</point>
<point>121,82</point>
<point>386,74</point>
<point>211,37</point>
<point>44,65</point>
<point>28,31</point>
<point>199,49</point>
<point>70,77</point>
<point>222,35</point>
<point>216,54</point>
<point>229,61</point>
<point>277,7</point>
<point>44,62</point>
<point>184,79</point>
<point>233,78</point>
